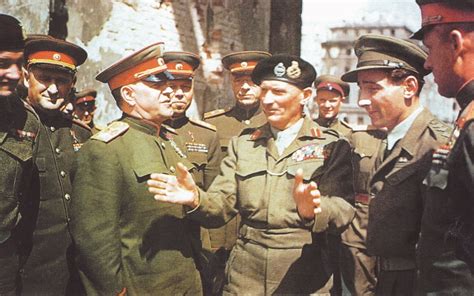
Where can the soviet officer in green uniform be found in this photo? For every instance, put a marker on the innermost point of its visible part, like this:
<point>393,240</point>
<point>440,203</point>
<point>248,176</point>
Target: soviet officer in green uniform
<point>390,76</point>
<point>287,179</point>
<point>126,242</point>
<point>19,128</point>
<point>45,240</point>
<point>84,107</point>
<point>331,92</point>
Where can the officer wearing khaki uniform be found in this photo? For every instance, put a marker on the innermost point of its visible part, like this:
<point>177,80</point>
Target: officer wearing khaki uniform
<point>446,248</point>
<point>390,75</point>
<point>126,242</point>
<point>270,178</point>
<point>45,241</point>
<point>19,128</point>
<point>331,91</point>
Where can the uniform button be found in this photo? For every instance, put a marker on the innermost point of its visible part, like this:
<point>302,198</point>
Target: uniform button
<point>52,128</point>
<point>247,122</point>
<point>57,150</point>
<point>68,219</point>
<point>63,174</point>
<point>163,145</point>
<point>67,196</point>
<point>172,169</point>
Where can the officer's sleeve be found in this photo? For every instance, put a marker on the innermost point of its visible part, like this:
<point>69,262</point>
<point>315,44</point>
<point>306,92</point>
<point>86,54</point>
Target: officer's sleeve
<point>336,187</point>
<point>218,204</point>
<point>213,162</point>
<point>95,207</point>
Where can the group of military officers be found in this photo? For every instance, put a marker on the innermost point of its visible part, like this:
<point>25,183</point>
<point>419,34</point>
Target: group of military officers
<point>256,199</point>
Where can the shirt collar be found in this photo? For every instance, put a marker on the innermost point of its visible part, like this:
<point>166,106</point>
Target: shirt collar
<point>402,128</point>
<point>284,138</point>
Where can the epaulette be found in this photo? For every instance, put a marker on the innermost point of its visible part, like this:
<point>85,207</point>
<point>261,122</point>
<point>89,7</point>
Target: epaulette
<point>440,129</point>
<point>112,131</point>
<point>329,131</point>
<point>215,113</point>
<point>203,124</point>
<point>466,115</point>
<point>81,124</point>
<point>254,133</point>
<point>169,129</point>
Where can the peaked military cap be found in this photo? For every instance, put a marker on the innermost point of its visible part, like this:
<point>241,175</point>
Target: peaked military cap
<point>12,36</point>
<point>287,68</point>
<point>86,95</point>
<point>145,64</point>
<point>384,52</point>
<point>44,49</point>
<point>331,82</point>
<point>434,12</point>
<point>243,62</point>
<point>181,64</point>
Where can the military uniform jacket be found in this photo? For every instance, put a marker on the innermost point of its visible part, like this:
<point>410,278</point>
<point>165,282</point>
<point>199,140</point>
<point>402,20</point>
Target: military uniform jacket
<point>396,210</point>
<point>44,229</point>
<point>229,123</point>
<point>276,250</point>
<point>336,124</point>
<point>124,238</point>
<point>365,145</point>
<point>446,247</point>
<point>19,127</point>
<point>201,146</point>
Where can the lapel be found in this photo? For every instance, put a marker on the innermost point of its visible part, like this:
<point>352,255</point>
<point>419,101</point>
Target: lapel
<point>309,130</point>
<point>408,145</point>
<point>263,137</point>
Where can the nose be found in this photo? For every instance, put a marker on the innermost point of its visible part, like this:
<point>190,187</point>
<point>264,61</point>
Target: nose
<point>427,63</point>
<point>327,104</point>
<point>364,103</point>
<point>245,86</point>
<point>13,72</point>
<point>178,93</point>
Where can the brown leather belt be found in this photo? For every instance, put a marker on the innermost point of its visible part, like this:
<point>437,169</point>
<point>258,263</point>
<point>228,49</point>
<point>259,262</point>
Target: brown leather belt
<point>363,198</point>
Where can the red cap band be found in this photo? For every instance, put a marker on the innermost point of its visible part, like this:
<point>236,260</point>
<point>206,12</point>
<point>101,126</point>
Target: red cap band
<point>331,86</point>
<point>52,57</point>
<point>137,73</point>
<point>437,13</point>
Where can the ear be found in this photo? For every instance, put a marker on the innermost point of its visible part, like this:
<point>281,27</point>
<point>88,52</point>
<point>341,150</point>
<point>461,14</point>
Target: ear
<point>457,41</point>
<point>410,87</point>
<point>307,95</point>
<point>128,95</point>
<point>26,77</point>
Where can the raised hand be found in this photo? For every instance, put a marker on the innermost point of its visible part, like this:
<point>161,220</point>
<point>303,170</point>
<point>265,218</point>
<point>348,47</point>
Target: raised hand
<point>307,197</point>
<point>178,190</point>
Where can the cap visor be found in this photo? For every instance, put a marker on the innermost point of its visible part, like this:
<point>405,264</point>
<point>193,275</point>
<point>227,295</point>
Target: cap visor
<point>418,35</point>
<point>351,76</point>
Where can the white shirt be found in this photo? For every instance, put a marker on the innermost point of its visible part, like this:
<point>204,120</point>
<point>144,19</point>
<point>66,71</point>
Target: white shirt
<point>284,138</point>
<point>401,129</point>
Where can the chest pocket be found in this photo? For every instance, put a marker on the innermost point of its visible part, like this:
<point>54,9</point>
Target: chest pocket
<point>312,168</point>
<point>21,149</point>
<point>249,169</point>
<point>144,170</point>
<point>403,171</point>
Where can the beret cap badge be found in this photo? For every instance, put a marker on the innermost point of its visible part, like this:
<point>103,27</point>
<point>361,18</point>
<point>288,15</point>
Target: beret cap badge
<point>294,70</point>
<point>279,70</point>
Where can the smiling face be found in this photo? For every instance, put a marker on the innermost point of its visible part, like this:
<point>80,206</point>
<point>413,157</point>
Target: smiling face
<point>10,71</point>
<point>48,88</point>
<point>385,101</point>
<point>329,103</point>
<point>282,102</point>
<point>246,92</point>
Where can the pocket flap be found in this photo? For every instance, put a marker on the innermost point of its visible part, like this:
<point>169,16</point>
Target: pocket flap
<point>401,174</point>
<point>247,168</point>
<point>149,168</point>
<point>311,168</point>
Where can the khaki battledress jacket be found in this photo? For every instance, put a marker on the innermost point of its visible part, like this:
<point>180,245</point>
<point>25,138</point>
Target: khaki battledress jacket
<point>277,251</point>
<point>124,238</point>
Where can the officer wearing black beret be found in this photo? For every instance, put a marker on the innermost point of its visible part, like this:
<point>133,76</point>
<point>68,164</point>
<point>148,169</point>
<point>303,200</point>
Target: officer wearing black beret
<point>278,250</point>
<point>390,73</point>
<point>446,247</point>
<point>18,131</point>
<point>46,243</point>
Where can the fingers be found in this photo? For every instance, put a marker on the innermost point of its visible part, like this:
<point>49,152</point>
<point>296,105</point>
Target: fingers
<point>316,197</point>
<point>298,178</point>
<point>159,177</point>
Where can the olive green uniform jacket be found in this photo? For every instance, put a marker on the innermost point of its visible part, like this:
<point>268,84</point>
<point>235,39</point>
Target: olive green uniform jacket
<point>43,232</point>
<point>358,267</point>
<point>230,123</point>
<point>277,251</point>
<point>446,247</point>
<point>397,208</point>
<point>124,238</point>
<point>19,127</point>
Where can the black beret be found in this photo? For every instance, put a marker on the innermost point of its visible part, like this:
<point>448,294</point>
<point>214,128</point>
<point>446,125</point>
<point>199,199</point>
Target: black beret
<point>435,12</point>
<point>243,62</point>
<point>44,49</point>
<point>331,82</point>
<point>384,52</point>
<point>287,68</point>
<point>181,64</point>
<point>12,36</point>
